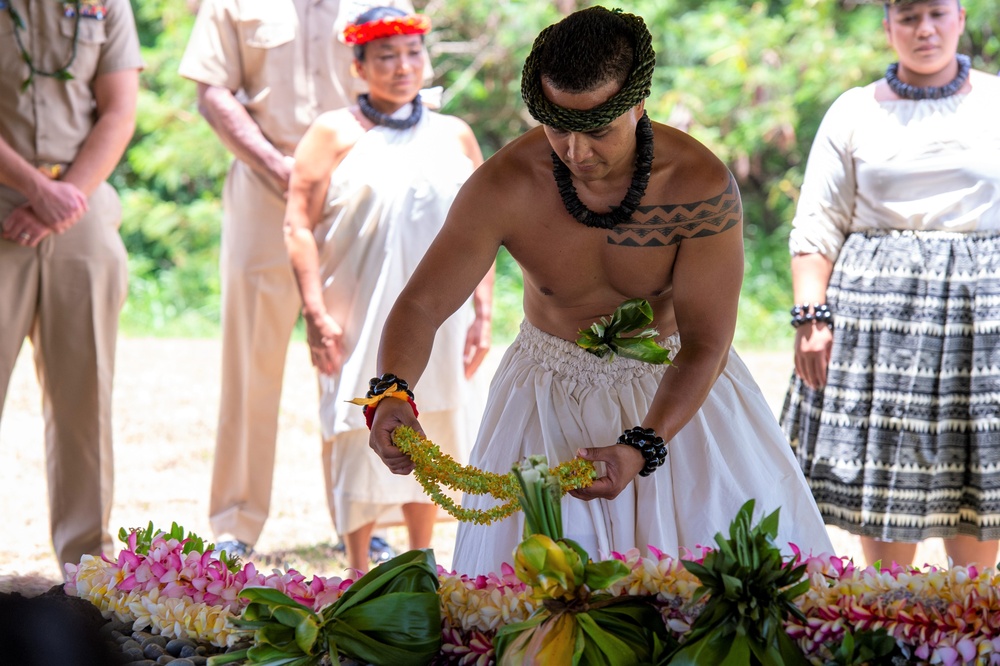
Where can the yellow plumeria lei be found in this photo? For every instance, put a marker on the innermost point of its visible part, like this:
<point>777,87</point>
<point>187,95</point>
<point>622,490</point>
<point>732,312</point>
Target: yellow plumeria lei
<point>435,468</point>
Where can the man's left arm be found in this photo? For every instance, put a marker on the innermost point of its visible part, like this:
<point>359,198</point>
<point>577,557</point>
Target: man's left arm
<point>707,276</point>
<point>115,97</point>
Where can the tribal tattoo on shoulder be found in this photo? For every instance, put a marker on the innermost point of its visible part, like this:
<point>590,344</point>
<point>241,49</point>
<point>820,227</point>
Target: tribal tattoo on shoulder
<point>659,225</point>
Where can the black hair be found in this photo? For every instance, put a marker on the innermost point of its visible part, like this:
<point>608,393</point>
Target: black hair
<point>374,14</point>
<point>587,49</point>
<point>958,3</point>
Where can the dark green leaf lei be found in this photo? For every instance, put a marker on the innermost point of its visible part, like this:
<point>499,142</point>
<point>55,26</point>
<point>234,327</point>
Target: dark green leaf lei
<point>62,73</point>
<point>608,336</point>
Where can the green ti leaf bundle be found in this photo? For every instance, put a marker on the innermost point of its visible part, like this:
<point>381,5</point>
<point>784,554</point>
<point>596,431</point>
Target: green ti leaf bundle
<point>574,622</point>
<point>610,336</point>
<point>751,590</point>
<point>390,616</point>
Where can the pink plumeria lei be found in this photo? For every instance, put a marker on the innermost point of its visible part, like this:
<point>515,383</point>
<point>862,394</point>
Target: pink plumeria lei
<point>184,595</point>
<point>938,616</point>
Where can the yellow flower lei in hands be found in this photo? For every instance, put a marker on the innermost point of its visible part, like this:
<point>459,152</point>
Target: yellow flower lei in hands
<point>434,469</point>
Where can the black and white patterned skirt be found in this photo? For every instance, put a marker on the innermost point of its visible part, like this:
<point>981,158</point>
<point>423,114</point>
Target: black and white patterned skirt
<point>903,443</point>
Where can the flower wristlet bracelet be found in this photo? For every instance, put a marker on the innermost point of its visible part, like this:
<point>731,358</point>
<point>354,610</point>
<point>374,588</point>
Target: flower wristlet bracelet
<point>652,448</point>
<point>805,313</point>
<point>379,388</point>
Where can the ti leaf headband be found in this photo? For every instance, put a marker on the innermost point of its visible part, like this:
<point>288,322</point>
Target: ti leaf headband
<point>635,89</point>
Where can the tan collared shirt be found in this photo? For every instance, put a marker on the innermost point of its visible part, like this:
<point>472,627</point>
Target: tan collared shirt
<point>284,59</point>
<point>48,122</point>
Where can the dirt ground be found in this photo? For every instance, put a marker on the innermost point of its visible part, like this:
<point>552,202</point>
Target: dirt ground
<point>165,402</point>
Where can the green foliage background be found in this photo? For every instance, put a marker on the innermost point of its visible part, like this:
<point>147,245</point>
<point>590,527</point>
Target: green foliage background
<point>749,79</point>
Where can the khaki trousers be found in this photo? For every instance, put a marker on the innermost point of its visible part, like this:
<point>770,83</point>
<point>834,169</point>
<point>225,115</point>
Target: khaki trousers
<point>66,295</point>
<point>260,305</point>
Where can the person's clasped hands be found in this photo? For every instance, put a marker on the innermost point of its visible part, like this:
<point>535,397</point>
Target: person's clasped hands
<point>53,207</point>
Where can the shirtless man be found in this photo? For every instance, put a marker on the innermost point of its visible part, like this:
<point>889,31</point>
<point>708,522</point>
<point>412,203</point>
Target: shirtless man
<point>680,248</point>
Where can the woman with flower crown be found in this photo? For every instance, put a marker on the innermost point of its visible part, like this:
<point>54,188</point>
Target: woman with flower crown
<point>369,191</point>
<point>894,407</point>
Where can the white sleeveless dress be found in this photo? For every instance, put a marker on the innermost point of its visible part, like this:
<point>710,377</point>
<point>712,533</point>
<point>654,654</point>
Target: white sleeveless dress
<point>387,200</point>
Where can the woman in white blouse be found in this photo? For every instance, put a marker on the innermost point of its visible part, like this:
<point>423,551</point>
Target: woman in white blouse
<point>894,408</point>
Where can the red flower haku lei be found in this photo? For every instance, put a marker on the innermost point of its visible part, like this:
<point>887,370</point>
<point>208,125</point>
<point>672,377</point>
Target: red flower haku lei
<point>414,24</point>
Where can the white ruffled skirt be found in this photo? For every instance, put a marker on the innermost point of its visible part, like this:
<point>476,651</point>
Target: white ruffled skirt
<point>551,397</point>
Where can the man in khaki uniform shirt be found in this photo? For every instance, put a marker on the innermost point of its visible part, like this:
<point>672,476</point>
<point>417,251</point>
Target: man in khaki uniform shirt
<point>63,269</point>
<point>265,70</point>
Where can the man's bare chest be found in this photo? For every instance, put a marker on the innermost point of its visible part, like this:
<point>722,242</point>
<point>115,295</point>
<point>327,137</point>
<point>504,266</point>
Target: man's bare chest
<point>569,261</point>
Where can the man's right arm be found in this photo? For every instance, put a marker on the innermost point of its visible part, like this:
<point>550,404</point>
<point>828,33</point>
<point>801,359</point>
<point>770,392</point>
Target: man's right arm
<point>53,202</point>
<point>15,171</point>
<point>213,60</point>
<point>242,136</point>
<point>316,156</point>
<point>454,265</point>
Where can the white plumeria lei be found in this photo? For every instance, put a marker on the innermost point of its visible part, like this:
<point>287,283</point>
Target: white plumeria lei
<point>938,616</point>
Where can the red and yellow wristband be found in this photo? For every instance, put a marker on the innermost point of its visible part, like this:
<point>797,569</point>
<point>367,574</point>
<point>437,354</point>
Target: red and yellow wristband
<point>370,403</point>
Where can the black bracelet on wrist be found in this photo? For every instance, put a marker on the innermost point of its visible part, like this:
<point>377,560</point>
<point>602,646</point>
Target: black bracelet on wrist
<point>652,448</point>
<point>806,312</point>
<point>378,389</point>
<point>379,385</point>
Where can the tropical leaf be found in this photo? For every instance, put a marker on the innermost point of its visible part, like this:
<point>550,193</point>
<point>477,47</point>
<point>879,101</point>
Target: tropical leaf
<point>620,334</point>
<point>630,621</point>
<point>602,575</point>
<point>864,647</point>
<point>391,615</point>
<point>574,623</point>
<point>270,598</point>
<point>750,591</point>
<point>603,645</point>
<point>646,350</point>
<point>227,658</point>
<point>511,639</point>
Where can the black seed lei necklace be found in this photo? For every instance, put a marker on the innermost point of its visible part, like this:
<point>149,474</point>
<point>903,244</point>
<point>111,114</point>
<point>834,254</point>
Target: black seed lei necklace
<point>379,118</point>
<point>621,213</point>
<point>907,91</point>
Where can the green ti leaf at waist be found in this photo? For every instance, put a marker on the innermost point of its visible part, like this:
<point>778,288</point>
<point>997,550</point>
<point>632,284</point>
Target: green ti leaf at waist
<point>627,333</point>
